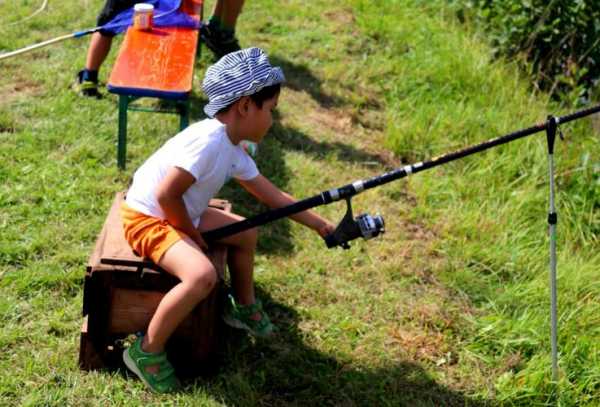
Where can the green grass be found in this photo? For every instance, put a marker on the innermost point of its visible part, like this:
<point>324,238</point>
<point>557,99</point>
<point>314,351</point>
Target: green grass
<point>450,307</point>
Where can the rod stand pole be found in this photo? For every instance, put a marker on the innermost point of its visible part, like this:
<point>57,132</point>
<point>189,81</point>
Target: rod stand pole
<point>551,127</point>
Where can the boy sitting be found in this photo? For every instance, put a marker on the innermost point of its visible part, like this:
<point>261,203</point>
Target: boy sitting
<point>166,208</point>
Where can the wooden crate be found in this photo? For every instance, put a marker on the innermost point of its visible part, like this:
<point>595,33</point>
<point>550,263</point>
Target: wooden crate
<point>121,293</point>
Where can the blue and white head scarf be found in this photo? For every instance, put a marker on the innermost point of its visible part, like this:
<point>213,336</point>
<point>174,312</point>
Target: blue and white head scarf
<point>240,73</point>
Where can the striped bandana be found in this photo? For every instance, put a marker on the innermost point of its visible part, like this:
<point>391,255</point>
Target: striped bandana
<point>238,74</point>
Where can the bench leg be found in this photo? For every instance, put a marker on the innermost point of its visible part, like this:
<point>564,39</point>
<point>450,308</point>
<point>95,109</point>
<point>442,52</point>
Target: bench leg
<point>122,140</point>
<point>184,113</point>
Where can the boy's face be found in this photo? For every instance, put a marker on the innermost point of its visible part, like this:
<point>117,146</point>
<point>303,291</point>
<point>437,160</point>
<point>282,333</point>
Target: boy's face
<point>260,120</point>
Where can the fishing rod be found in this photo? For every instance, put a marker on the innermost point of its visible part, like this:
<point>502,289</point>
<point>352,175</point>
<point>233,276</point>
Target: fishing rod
<point>368,226</point>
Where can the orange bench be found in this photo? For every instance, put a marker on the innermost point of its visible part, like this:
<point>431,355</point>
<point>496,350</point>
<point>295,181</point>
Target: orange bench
<point>157,63</point>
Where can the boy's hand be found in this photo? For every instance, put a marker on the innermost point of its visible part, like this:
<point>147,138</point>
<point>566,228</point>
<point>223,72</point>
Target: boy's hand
<point>326,228</point>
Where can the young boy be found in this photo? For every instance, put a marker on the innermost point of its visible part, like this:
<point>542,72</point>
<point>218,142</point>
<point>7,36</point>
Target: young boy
<point>166,206</point>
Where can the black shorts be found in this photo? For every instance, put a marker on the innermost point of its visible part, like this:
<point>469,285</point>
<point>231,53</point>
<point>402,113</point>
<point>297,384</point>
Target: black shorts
<point>111,9</point>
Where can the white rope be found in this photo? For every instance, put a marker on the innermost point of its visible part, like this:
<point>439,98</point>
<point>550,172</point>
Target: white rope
<point>35,46</point>
<point>43,6</point>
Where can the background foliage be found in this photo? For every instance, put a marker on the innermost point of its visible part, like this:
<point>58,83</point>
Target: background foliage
<point>557,41</point>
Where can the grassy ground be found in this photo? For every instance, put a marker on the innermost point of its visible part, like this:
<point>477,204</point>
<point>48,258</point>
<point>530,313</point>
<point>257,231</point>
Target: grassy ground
<point>450,307</point>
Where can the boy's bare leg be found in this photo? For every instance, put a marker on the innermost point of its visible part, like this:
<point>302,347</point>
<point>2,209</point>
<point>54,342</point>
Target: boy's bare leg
<point>97,51</point>
<point>230,11</point>
<point>198,276</point>
<point>218,9</point>
<point>241,248</point>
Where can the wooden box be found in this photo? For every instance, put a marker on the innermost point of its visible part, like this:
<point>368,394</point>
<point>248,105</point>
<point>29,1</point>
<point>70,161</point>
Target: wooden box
<point>121,293</point>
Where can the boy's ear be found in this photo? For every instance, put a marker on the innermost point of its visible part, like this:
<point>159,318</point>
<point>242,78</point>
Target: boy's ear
<point>243,105</point>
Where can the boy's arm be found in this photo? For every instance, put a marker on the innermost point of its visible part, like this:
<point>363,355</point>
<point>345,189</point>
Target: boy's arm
<point>169,194</point>
<point>273,197</point>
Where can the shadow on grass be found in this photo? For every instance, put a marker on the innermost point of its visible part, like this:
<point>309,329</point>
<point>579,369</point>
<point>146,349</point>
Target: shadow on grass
<point>284,370</point>
<point>197,102</point>
<point>300,78</point>
<point>296,140</point>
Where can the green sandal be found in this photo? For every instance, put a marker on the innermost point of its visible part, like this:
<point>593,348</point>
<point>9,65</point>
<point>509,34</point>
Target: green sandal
<point>137,361</point>
<point>238,316</point>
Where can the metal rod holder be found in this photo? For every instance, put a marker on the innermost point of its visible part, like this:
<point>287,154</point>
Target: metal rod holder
<point>551,126</point>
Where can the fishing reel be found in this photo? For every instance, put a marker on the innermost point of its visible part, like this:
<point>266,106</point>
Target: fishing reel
<point>350,228</point>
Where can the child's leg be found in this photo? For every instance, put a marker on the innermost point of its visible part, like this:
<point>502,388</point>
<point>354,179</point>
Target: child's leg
<point>246,312</point>
<point>241,248</point>
<point>218,10</point>
<point>97,51</point>
<point>198,276</point>
<point>230,12</point>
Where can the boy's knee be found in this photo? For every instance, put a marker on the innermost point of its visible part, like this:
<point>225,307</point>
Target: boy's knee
<point>203,281</point>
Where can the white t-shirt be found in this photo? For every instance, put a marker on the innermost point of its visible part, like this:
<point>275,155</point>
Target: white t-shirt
<point>205,151</point>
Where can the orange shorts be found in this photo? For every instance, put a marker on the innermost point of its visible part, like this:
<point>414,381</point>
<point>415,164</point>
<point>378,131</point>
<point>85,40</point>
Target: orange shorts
<point>148,236</point>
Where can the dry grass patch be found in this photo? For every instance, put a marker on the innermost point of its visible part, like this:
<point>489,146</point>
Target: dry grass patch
<point>19,89</point>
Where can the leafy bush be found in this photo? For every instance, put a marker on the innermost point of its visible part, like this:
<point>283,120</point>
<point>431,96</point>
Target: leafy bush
<point>558,40</point>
